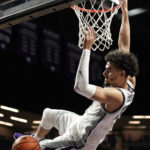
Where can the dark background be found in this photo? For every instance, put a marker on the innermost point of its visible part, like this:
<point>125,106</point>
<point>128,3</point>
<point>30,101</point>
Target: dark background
<point>32,85</point>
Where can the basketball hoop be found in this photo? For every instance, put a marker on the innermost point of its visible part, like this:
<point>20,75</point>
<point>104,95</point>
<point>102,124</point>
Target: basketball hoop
<point>97,14</point>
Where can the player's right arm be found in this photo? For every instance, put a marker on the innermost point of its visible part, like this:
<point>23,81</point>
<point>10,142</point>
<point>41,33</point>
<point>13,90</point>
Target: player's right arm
<point>124,34</point>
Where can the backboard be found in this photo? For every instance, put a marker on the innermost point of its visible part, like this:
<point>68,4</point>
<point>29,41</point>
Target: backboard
<point>13,12</point>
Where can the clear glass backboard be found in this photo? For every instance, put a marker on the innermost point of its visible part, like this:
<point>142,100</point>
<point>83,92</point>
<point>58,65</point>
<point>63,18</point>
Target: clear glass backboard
<point>17,11</point>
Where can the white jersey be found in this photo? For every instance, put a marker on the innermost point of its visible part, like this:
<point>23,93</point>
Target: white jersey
<point>88,131</point>
<point>96,122</point>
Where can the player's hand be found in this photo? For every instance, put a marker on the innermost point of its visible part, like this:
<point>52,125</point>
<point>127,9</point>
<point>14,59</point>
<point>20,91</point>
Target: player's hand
<point>89,38</point>
<point>124,6</point>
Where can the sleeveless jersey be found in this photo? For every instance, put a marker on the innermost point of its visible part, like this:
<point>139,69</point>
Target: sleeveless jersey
<point>96,123</point>
<point>89,130</point>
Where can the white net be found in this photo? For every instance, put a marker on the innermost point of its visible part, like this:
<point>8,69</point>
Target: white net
<point>97,14</point>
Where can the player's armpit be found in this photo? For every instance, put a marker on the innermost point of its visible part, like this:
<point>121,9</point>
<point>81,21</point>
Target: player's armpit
<point>110,96</point>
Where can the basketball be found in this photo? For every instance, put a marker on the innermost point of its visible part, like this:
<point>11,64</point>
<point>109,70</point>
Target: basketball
<point>26,142</point>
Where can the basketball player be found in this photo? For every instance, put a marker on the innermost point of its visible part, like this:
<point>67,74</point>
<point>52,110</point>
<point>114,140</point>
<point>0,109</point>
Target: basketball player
<point>86,132</point>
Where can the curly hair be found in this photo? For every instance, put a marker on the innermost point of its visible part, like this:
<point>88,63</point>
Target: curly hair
<point>124,61</point>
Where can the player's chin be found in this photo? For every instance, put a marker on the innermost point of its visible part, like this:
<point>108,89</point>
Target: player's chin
<point>106,83</point>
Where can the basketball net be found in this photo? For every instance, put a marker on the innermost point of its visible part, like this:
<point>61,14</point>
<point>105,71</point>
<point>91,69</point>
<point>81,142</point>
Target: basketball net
<point>97,14</point>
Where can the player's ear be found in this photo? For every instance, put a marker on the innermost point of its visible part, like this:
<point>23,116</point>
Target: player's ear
<point>123,73</point>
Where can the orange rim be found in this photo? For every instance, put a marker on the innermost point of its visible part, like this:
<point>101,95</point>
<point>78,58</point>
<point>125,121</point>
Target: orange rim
<point>94,11</point>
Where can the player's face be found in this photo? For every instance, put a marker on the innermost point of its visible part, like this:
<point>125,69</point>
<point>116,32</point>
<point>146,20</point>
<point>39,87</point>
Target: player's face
<point>111,75</point>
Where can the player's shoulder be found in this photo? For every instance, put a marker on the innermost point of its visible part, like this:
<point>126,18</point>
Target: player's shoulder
<point>132,81</point>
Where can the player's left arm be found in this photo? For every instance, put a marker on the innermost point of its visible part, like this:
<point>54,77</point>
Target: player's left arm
<point>82,85</point>
<point>110,96</point>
